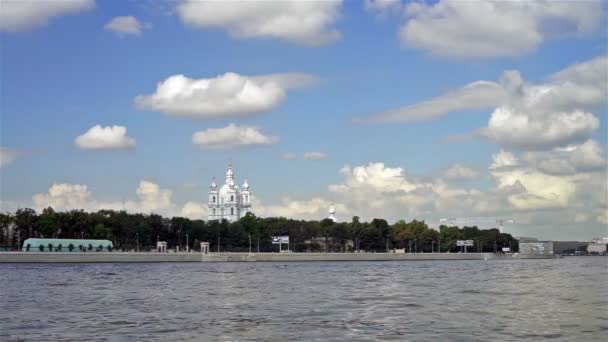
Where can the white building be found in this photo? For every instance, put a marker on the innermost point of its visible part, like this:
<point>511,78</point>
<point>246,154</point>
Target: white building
<point>229,202</point>
<point>332,213</point>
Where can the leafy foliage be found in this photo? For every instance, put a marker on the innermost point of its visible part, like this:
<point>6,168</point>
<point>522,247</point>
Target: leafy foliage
<point>122,229</point>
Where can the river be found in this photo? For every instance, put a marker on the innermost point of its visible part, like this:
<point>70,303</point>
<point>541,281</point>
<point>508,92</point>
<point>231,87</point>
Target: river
<point>559,300</point>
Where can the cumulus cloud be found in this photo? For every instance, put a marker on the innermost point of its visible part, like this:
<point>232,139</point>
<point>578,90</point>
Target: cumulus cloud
<point>308,23</point>
<point>105,138</point>
<point>459,172</point>
<point>525,116</point>
<point>495,28</point>
<point>524,130</point>
<point>316,208</point>
<point>66,196</point>
<point>232,136</point>
<point>152,197</point>
<point>194,211</point>
<point>21,15</point>
<point>314,155</point>
<point>125,25</point>
<point>585,157</point>
<point>227,95</point>
<point>8,156</point>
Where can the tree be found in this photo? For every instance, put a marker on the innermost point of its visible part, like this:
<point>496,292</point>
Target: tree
<point>24,220</point>
<point>46,223</point>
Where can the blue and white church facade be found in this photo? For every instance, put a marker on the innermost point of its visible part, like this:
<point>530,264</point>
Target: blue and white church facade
<point>229,202</point>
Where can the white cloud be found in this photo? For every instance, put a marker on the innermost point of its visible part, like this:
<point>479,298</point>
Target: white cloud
<point>308,23</point>
<point>20,15</point>
<point>526,116</point>
<point>314,155</point>
<point>603,216</point>
<point>586,157</point>
<point>474,96</point>
<point>290,156</point>
<point>495,28</point>
<point>232,136</point>
<point>458,172</point>
<point>66,196</point>
<point>8,156</point>
<point>194,211</point>
<point>152,197</point>
<point>383,8</point>
<point>125,25</point>
<point>511,128</point>
<point>227,95</point>
<point>503,159</point>
<point>105,138</point>
<point>316,208</point>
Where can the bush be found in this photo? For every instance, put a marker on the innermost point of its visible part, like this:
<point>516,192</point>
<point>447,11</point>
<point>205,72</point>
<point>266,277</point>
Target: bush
<point>41,248</point>
<point>71,247</point>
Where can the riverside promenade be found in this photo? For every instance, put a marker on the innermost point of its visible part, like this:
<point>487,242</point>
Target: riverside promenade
<point>130,257</point>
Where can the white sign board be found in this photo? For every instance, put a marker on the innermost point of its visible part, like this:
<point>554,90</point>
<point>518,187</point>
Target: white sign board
<point>506,249</point>
<point>467,243</point>
<point>280,239</point>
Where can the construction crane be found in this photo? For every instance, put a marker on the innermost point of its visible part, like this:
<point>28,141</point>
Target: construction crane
<point>500,221</point>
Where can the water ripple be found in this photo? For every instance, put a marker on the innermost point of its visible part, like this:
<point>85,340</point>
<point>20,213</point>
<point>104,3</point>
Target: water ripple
<point>557,300</point>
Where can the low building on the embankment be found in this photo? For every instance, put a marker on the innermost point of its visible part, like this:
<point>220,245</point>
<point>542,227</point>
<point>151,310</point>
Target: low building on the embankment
<point>596,248</point>
<point>551,247</point>
<point>569,247</point>
<point>66,245</point>
<point>536,247</point>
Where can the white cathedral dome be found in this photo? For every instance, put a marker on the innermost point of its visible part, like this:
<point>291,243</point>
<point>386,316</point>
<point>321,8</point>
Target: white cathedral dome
<point>226,190</point>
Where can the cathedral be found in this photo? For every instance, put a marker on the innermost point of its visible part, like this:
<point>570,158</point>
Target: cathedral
<point>229,202</point>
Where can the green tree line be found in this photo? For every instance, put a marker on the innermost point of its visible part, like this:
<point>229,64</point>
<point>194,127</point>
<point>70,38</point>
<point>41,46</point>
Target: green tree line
<point>129,230</point>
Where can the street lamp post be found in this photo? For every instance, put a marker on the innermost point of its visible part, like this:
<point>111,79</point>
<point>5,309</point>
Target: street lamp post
<point>187,244</point>
<point>137,237</point>
<point>81,235</point>
<point>433,246</point>
<point>218,243</point>
<point>249,243</point>
<point>415,246</point>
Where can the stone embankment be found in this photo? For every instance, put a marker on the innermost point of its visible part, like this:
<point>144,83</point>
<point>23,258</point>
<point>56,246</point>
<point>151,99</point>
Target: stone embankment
<point>118,257</point>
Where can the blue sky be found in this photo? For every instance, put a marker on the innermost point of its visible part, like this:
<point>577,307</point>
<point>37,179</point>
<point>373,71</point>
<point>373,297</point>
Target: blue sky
<point>63,74</point>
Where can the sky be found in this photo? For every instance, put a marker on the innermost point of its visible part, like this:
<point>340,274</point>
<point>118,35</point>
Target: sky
<point>391,109</point>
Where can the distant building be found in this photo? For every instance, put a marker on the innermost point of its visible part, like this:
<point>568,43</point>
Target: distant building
<point>596,248</point>
<point>332,213</point>
<point>538,247</point>
<point>569,247</point>
<point>229,202</point>
<point>66,245</point>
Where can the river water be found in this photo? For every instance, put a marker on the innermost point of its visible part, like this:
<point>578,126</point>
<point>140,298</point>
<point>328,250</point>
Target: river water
<point>559,300</point>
